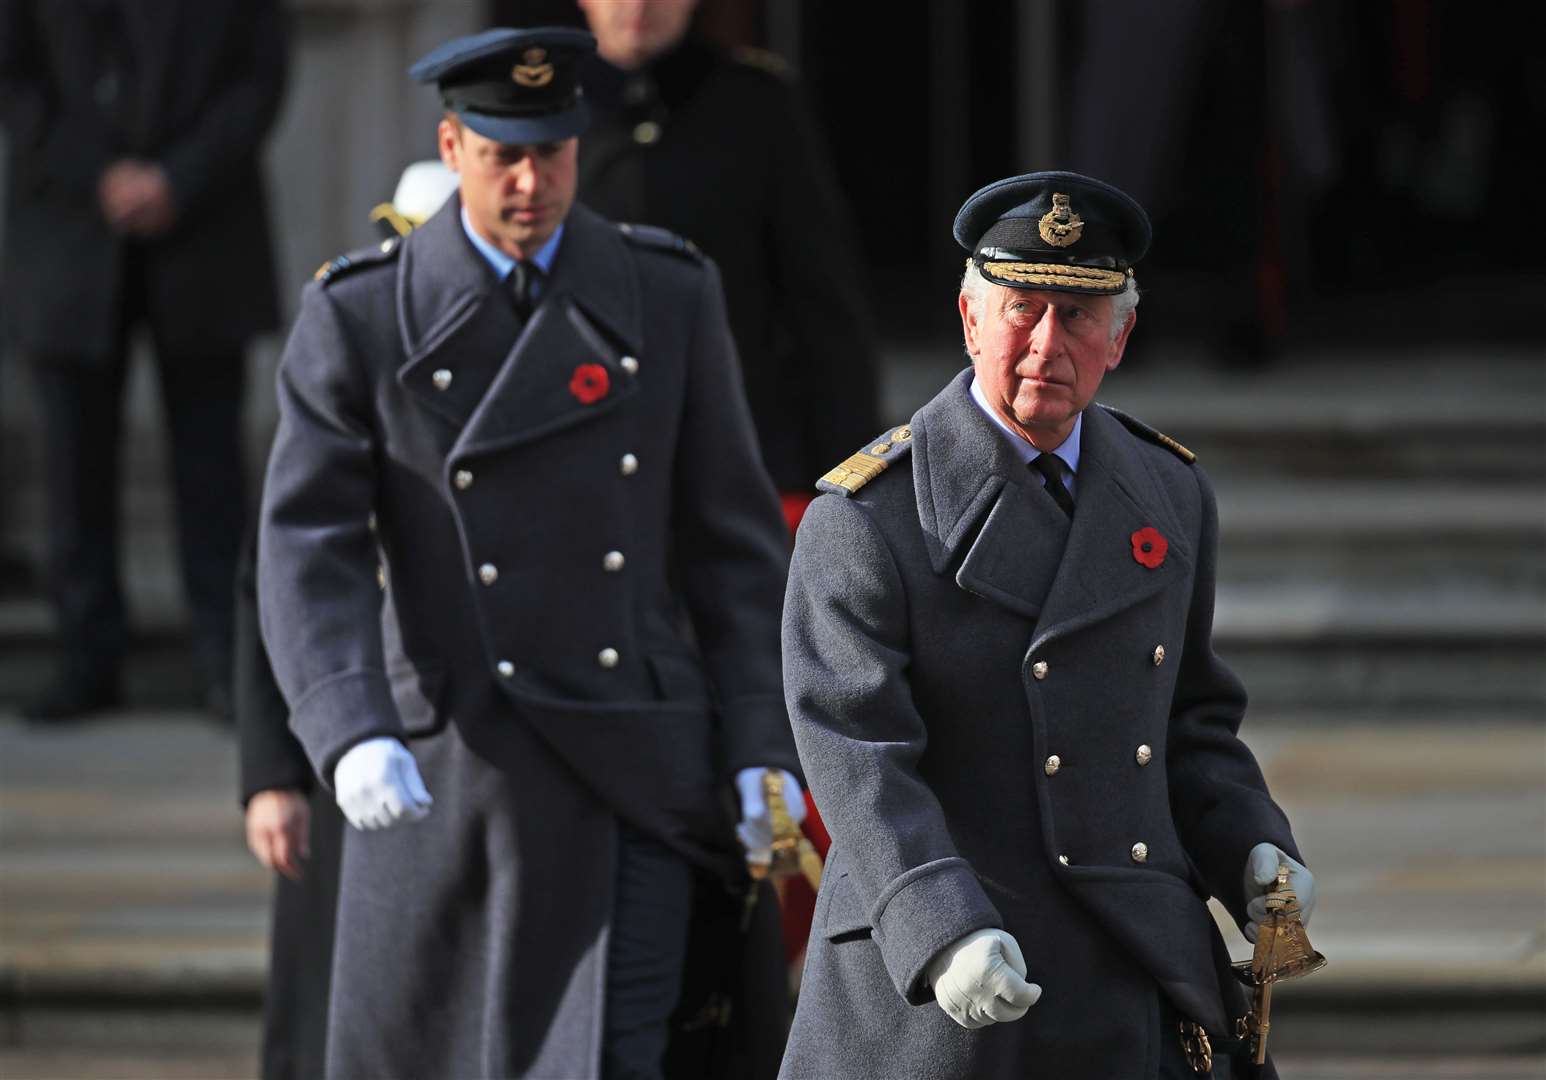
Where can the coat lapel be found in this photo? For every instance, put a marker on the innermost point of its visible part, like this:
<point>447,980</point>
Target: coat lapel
<point>587,322</point>
<point>509,382</point>
<point>451,317</point>
<point>1099,575</point>
<point>965,468</point>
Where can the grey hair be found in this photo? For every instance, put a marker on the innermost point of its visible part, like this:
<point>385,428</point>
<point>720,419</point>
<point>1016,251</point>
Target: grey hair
<point>975,288</point>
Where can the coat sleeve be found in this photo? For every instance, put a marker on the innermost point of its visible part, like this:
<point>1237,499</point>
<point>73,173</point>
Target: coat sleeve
<point>731,545</point>
<point>1218,796</point>
<point>860,735</point>
<point>318,600</point>
<point>820,292</point>
<point>271,758</point>
<point>223,140</point>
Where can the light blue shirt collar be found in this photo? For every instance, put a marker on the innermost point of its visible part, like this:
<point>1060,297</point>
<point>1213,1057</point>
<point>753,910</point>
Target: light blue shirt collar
<point>501,262</point>
<point>1069,451</point>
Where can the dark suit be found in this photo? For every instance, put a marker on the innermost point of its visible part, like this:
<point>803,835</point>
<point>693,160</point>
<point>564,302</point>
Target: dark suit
<point>728,157</point>
<point>548,690</point>
<point>948,631</point>
<point>192,87</point>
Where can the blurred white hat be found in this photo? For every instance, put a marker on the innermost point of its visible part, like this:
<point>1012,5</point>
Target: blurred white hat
<point>423,188</point>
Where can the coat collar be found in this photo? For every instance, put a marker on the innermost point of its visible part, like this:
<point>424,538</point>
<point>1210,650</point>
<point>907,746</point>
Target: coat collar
<point>1026,555</point>
<point>453,314</point>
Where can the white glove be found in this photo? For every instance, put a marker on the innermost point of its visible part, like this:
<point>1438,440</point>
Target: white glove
<point>980,980</point>
<point>756,828</point>
<point>377,783</point>
<point>1261,873</point>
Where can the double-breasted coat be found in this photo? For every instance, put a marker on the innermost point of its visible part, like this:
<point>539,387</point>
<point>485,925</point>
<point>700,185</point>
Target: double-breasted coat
<point>582,568</point>
<point>1011,721</point>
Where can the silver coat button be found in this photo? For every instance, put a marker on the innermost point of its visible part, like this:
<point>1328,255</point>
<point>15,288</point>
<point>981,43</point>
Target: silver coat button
<point>1063,859</point>
<point>1039,669</point>
<point>441,379</point>
<point>630,365</point>
<point>1140,852</point>
<point>1144,754</point>
<point>612,561</point>
<point>505,669</point>
<point>628,465</point>
<point>1054,763</point>
<point>646,133</point>
<point>607,658</point>
<point>462,479</point>
<point>1159,655</point>
<point>488,573</point>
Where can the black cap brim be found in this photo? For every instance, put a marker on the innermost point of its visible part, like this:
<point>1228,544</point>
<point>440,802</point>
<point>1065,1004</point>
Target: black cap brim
<point>528,130</point>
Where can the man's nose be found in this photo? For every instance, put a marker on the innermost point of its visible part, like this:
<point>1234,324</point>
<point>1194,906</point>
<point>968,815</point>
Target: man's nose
<point>523,177</point>
<point>1046,339</point>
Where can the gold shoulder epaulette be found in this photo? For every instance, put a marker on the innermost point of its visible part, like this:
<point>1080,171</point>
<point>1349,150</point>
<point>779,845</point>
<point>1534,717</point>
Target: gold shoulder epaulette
<point>334,269</point>
<point>763,60</point>
<point>868,463</point>
<point>1158,438</point>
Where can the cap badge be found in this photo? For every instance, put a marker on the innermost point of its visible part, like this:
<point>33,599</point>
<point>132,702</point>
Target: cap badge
<point>1061,226</point>
<point>534,70</point>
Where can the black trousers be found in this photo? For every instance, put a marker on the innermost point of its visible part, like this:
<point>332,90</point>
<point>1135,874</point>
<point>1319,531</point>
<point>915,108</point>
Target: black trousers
<point>82,405</point>
<point>648,945</point>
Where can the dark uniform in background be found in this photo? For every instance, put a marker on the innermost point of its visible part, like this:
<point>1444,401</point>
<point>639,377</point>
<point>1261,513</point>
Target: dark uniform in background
<point>1013,717</point>
<point>558,498</point>
<point>721,149</point>
<point>192,87</point>
<point>301,928</point>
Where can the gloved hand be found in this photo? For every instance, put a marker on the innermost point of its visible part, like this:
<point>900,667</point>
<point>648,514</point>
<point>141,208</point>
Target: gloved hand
<point>1261,873</point>
<point>980,980</point>
<point>377,783</point>
<point>756,828</point>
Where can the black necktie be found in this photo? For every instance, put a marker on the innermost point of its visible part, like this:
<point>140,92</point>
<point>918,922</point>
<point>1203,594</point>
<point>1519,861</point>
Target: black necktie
<point>1051,468</point>
<point>522,283</point>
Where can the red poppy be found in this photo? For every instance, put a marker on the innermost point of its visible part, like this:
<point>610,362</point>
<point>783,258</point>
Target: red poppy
<point>1149,546</point>
<point>589,383</point>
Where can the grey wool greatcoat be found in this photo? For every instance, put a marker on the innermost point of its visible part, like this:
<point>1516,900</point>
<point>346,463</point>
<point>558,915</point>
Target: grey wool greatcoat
<point>947,632</point>
<point>553,506</point>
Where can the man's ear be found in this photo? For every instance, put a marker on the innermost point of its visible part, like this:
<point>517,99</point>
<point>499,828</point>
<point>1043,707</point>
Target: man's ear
<point>449,141</point>
<point>1119,346</point>
<point>968,324</point>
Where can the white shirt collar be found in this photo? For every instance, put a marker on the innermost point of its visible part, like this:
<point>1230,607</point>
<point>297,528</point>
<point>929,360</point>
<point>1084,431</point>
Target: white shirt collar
<point>1069,451</point>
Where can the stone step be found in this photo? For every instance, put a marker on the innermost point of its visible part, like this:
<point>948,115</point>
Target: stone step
<point>1396,535</point>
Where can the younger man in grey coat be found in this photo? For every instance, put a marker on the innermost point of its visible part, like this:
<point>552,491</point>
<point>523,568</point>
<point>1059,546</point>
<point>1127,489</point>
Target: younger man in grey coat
<point>999,664</point>
<point>527,713</point>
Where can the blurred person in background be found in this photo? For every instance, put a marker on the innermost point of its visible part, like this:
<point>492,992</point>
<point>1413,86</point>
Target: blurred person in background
<point>135,199</point>
<point>720,148</point>
<point>293,825</point>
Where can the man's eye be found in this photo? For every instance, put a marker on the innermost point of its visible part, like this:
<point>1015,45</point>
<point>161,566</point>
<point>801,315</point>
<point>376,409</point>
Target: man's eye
<point>1020,305</point>
<point>1076,313</point>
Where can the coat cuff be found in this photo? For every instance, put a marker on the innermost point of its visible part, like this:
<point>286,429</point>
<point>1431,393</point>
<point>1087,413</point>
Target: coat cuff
<point>341,712</point>
<point>921,912</point>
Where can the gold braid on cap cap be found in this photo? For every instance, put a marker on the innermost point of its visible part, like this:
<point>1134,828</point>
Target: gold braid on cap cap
<point>1024,273</point>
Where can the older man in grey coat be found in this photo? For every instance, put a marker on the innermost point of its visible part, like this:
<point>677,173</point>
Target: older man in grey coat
<point>999,665</point>
<point>528,711</point>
